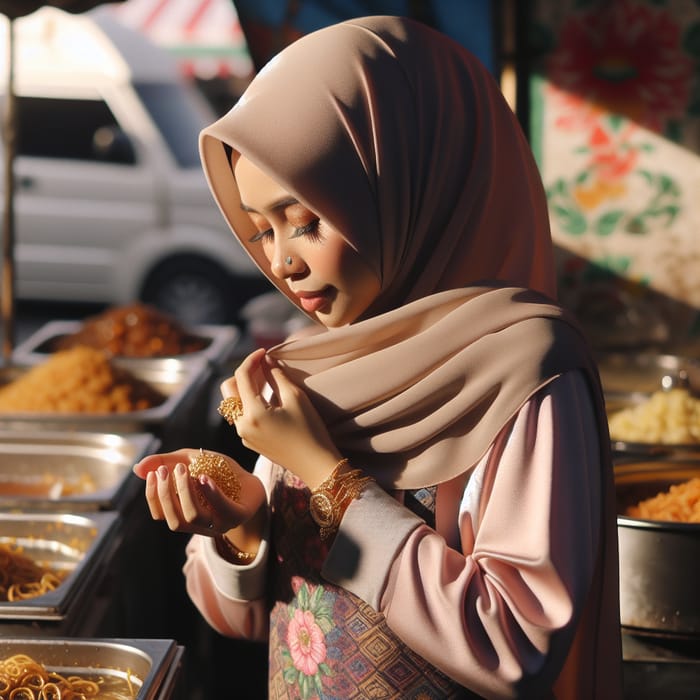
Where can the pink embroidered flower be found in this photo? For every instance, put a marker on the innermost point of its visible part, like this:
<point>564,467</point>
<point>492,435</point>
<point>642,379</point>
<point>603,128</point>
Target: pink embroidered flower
<point>307,644</point>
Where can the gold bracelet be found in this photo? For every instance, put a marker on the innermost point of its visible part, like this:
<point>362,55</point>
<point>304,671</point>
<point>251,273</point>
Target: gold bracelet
<point>239,556</point>
<point>330,500</point>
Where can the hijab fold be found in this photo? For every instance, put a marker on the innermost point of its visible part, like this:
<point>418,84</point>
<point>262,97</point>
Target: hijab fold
<point>401,140</point>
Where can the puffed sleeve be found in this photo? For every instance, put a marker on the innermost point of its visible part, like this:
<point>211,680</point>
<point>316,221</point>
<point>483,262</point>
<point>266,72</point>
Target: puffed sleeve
<point>228,596</point>
<point>499,611</point>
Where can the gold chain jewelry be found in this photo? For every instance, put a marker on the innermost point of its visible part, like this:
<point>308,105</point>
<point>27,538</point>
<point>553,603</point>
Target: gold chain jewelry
<point>238,555</point>
<point>330,500</point>
<point>231,408</point>
<point>216,467</point>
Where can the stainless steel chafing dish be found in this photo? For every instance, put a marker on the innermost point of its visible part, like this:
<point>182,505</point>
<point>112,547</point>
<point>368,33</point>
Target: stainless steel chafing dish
<point>659,577</point>
<point>150,666</point>
<point>176,421</point>
<point>622,374</point>
<point>76,543</point>
<point>70,471</point>
<point>219,351</point>
<point>630,380</point>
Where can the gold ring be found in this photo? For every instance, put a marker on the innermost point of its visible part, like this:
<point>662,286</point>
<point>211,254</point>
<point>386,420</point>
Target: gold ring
<point>231,408</point>
<point>217,468</point>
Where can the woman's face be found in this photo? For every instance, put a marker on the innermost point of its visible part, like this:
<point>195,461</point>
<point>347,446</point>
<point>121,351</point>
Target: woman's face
<point>329,279</point>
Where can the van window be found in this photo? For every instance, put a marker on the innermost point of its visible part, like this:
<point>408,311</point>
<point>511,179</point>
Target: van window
<point>74,129</point>
<point>179,116</point>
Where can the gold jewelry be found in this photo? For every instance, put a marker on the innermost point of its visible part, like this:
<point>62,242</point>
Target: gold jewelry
<point>231,408</point>
<point>330,500</point>
<point>216,467</point>
<point>239,556</point>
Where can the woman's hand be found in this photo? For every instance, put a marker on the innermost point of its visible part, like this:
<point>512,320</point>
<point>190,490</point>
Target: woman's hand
<point>196,506</point>
<point>286,429</point>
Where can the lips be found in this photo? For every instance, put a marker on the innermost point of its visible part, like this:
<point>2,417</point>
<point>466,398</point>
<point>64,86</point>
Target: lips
<point>312,301</point>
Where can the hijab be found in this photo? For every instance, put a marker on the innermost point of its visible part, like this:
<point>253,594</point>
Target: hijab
<point>402,141</point>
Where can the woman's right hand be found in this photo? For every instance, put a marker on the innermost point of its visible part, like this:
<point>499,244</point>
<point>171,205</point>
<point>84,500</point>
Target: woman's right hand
<point>197,506</point>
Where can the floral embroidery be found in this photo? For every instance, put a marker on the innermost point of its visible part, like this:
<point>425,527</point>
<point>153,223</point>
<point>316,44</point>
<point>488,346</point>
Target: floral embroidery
<point>310,620</point>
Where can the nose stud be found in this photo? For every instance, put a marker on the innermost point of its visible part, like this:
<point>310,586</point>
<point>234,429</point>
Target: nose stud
<point>288,260</point>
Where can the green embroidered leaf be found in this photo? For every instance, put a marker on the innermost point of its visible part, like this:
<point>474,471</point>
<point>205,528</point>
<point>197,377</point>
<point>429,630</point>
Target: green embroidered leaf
<point>325,623</point>
<point>607,222</point>
<point>290,675</point>
<point>303,598</point>
<point>316,597</point>
<point>319,685</point>
<point>325,669</point>
<point>304,685</point>
<point>636,225</point>
<point>570,220</point>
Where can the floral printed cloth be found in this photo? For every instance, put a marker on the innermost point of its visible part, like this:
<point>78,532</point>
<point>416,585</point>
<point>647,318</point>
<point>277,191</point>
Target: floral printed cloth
<point>325,642</point>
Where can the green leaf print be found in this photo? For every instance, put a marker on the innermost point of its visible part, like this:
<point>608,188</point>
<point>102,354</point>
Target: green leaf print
<point>607,222</point>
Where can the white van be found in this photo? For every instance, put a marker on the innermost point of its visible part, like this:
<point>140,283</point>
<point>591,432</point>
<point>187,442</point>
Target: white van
<point>111,205</point>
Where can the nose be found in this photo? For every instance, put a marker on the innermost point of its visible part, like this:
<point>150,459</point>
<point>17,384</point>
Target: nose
<point>286,262</point>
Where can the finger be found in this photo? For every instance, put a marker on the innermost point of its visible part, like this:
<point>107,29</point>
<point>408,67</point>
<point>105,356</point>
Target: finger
<point>168,500</point>
<point>170,459</point>
<point>249,379</point>
<point>152,497</point>
<point>193,505</point>
<point>219,502</point>
<point>229,387</point>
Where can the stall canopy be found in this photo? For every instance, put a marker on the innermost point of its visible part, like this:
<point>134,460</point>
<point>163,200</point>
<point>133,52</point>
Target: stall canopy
<point>204,35</point>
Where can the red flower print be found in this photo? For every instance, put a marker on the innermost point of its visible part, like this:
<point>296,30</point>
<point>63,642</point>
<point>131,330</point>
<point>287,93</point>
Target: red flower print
<point>624,56</point>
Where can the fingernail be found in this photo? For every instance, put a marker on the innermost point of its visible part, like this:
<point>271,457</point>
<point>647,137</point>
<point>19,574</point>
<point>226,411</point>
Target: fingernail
<point>180,469</point>
<point>162,472</point>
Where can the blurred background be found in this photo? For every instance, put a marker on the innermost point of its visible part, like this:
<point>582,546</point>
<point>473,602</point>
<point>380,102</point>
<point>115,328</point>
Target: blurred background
<point>109,204</point>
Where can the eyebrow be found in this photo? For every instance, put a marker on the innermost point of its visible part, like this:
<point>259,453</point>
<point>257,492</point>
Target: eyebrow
<point>278,204</point>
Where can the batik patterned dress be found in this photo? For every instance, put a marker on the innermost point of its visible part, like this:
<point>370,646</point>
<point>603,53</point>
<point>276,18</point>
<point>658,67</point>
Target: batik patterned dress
<point>324,641</point>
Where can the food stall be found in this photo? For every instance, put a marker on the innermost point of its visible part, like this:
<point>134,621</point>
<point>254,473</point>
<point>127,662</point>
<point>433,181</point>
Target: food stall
<point>80,404</point>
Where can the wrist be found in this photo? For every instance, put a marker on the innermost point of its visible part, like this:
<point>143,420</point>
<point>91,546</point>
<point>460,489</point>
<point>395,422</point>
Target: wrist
<point>330,499</point>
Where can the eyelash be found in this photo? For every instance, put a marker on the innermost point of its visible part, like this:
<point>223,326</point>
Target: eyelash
<point>310,230</point>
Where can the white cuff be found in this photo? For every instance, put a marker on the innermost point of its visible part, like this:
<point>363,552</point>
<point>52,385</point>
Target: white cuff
<point>237,582</point>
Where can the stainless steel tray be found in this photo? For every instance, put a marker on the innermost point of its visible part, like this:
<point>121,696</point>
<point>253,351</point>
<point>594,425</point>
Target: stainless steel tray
<point>148,663</point>
<point>645,373</point>
<point>182,383</point>
<point>220,349</point>
<point>46,470</point>
<point>78,543</point>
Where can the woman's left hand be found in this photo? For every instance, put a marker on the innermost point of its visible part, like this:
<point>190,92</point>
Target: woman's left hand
<point>287,429</point>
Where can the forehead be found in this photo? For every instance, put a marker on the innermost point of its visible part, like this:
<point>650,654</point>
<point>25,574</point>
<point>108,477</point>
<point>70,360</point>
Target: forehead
<point>257,189</point>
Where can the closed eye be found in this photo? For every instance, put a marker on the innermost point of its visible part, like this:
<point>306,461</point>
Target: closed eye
<point>261,235</point>
<point>310,231</point>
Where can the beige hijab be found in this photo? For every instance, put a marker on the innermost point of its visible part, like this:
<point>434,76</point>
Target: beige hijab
<point>401,140</point>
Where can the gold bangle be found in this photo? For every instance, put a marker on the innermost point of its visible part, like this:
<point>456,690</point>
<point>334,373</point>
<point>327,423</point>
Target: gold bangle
<point>330,500</point>
<point>239,556</point>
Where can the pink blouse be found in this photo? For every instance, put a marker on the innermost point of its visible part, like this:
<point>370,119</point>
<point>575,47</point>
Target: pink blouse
<point>515,590</point>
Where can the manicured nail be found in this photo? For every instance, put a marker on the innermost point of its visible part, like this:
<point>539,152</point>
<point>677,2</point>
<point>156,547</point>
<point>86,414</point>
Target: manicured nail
<point>162,472</point>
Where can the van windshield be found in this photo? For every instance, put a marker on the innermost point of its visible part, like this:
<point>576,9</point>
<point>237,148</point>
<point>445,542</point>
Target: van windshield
<point>180,115</point>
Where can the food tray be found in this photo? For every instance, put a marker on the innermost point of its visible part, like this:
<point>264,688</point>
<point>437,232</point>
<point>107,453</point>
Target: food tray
<point>79,543</point>
<point>182,383</point>
<point>44,470</point>
<point>220,349</point>
<point>659,579</point>
<point>148,663</point>
<point>645,373</point>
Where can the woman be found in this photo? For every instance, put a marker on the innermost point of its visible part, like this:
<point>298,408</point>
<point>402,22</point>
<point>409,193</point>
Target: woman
<point>431,514</point>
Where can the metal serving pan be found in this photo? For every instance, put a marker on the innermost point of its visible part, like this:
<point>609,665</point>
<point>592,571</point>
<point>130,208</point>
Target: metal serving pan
<point>70,471</point>
<point>626,373</point>
<point>150,665</point>
<point>219,351</point>
<point>77,543</point>
<point>659,576</point>
<point>184,384</point>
